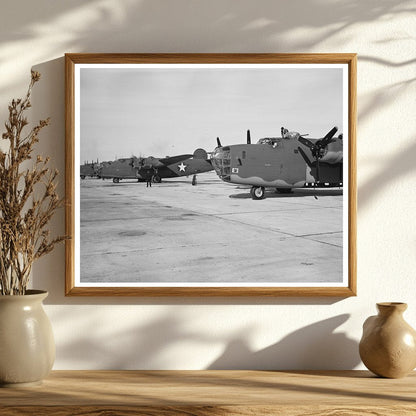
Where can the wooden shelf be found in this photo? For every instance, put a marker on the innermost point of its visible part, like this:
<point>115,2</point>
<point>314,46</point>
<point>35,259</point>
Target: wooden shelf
<point>203,393</point>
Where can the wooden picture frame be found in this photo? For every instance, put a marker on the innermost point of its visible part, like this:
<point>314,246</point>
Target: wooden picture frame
<point>302,84</point>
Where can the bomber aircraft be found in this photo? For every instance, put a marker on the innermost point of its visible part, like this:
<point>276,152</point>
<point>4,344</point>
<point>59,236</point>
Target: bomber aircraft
<point>286,162</point>
<point>89,169</point>
<point>118,169</point>
<point>141,168</point>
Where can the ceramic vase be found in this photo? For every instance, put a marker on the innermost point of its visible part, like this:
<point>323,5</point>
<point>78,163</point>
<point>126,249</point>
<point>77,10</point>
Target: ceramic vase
<point>27,347</point>
<point>388,345</point>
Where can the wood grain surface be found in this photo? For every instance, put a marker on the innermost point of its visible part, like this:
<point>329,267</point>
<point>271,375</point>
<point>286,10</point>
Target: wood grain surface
<point>202,393</point>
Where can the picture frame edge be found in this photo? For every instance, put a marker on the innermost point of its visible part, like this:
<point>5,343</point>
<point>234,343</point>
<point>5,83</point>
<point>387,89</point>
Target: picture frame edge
<point>71,59</point>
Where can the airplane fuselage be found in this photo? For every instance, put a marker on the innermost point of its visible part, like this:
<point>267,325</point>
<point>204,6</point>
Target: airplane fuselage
<point>118,169</point>
<point>278,163</point>
<point>187,167</point>
<point>157,168</point>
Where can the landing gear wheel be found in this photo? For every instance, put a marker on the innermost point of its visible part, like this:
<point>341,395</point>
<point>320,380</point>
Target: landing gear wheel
<point>157,179</point>
<point>284,190</point>
<point>257,192</point>
<point>116,180</point>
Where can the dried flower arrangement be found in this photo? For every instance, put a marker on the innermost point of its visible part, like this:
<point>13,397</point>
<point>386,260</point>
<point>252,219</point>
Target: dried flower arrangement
<point>28,199</point>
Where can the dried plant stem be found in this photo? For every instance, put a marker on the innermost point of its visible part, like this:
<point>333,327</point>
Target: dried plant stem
<point>23,217</point>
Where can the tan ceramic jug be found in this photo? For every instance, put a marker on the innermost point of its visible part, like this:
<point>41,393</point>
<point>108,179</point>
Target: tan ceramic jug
<point>27,347</point>
<point>388,344</point>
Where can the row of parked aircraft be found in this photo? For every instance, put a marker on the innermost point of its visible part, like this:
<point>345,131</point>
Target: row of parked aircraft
<point>149,168</point>
<point>285,162</point>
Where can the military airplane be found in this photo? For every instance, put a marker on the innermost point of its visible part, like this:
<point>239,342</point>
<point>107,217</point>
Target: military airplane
<point>89,169</point>
<point>142,168</point>
<point>286,162</point>
<point>118,169</point>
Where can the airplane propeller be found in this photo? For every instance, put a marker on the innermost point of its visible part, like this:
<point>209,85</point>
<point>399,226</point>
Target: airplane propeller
<point>248,137</point>
<point>319,145</point>
<point>218,142</point>
<point>316,148</point>
<point>305,157</point>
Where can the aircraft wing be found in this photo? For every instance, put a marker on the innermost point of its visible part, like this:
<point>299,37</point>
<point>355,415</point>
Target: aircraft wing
<point>174,159</point>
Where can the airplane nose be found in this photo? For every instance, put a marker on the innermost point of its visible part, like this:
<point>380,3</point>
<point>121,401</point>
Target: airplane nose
<point>221,161</point>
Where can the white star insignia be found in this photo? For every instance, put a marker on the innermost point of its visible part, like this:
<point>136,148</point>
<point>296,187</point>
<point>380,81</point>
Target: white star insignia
<point>182,167</point>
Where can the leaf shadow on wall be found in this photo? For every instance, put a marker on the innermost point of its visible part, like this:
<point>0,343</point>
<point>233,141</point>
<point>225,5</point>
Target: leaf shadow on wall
<point>316,346</point>
<point>48,99</point>
<point>144,346</point>
<point>151,26</point>
<point>398,165</point>
<point>247,27</point>
<point>152,345</point>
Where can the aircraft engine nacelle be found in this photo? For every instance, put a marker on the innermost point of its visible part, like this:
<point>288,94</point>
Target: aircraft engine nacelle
<point>153,162</point>
<point>148,162</point>
<point>200,154</point>
<point>332,157</point>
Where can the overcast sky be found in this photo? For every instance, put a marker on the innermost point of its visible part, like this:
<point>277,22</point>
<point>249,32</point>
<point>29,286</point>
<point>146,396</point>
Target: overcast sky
<point>160,112</point>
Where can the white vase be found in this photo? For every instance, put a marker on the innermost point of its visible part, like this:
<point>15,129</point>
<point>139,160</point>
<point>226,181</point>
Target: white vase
<point>27,347</point>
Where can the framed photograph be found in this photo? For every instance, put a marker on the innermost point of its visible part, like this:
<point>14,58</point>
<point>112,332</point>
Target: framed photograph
<point>211,174</point>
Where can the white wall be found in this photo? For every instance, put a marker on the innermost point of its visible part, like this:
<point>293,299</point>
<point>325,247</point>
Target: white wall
<point>199,333</point>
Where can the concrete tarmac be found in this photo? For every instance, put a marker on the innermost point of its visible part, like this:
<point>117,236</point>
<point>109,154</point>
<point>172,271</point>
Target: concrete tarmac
<point>211,232</point>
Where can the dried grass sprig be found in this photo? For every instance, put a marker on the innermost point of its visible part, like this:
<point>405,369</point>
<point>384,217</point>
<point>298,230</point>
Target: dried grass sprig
<point>28,199</point>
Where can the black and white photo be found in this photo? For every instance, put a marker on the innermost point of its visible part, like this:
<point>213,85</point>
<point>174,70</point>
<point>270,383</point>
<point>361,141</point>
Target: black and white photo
<point>211,176</point>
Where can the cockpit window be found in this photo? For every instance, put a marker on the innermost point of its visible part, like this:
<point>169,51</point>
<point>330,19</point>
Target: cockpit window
<point>272,141</point>
<point>291,135</point>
